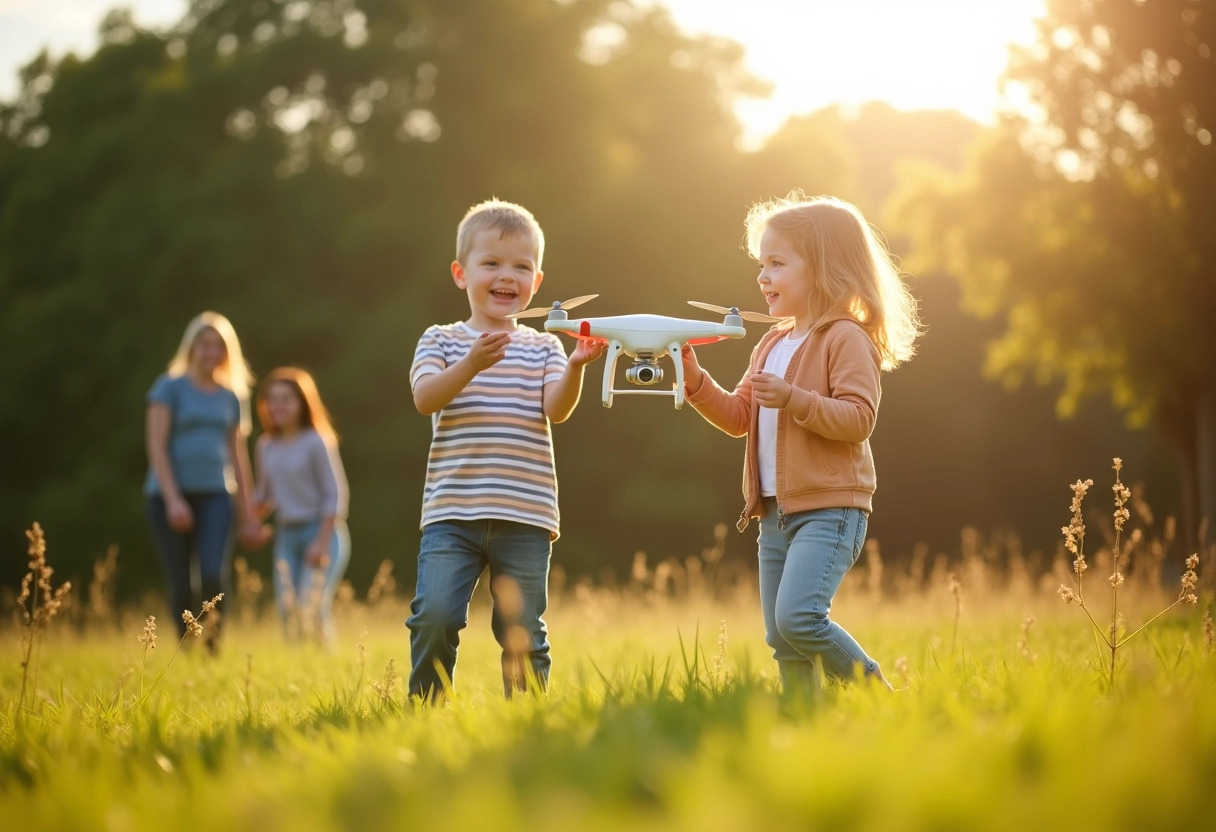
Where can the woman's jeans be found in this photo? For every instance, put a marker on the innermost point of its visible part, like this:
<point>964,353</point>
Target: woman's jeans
<point>304,594</point>
<point>451,559</point>
<point>196,562</point>
<point>803,559</point>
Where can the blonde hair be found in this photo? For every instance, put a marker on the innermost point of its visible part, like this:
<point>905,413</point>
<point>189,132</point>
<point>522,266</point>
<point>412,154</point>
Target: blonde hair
<point>853,272</point>
<point>507,218</point>
<point>312,412</point>
<point>233,372</point>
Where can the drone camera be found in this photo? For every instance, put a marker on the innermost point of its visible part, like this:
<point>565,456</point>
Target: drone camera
<point>644,373</point>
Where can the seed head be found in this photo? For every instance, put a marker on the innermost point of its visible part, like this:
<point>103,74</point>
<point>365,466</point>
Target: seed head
<point>25,590</point>
<point>1074,532</point>
<point>1190,579</point>
<point>148,637</point>
<point>1122,495</point>
<point>384,687</point>
<point>1067,594</point>
<point>193,627</point>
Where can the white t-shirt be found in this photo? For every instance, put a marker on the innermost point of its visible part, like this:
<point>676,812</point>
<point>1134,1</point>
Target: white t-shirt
<point>776,362</point>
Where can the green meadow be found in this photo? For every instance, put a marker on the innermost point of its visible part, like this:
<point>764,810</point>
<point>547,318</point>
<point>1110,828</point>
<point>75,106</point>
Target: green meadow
<point>664,713</point>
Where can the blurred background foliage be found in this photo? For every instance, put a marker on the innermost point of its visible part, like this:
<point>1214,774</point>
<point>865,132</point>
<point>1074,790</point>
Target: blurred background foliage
<point>301,167</point>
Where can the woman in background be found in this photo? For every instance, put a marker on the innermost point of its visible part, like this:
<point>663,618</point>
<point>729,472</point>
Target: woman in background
<point>199,475</point>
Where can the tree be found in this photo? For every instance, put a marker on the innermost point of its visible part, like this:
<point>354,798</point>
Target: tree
<point>1088,223</point>
<point>301,167</point>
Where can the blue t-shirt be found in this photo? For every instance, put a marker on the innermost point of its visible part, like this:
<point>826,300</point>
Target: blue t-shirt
<point>200,423</point>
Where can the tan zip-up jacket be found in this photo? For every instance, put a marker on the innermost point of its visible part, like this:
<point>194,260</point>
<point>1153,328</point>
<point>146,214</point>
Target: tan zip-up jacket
<point>823,447</point>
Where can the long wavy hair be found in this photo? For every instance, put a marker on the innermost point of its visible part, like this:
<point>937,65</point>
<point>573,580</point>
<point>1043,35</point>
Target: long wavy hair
<point>853,273</point>
<point>312,410</point>
<point>233,372</point>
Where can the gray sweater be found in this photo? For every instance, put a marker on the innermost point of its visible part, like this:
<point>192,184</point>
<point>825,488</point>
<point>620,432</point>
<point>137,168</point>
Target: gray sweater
<point>301,477</point>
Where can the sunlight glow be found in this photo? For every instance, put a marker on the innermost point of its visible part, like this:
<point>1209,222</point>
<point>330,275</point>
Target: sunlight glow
<point>913,54</point>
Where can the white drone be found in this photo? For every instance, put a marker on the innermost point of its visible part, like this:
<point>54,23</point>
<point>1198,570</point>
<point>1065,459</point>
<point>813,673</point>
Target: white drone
<point>645,339</point>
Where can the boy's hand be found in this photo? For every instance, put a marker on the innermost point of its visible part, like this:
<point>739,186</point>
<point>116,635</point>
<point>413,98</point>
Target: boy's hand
<point>770,390</point>
<point>487,350</point>
<point>586,352</point>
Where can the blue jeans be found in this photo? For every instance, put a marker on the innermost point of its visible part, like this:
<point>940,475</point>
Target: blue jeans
<point>803,559</point>
<point>452,556</point>
<point>196,562</point>
<point>304,594</point>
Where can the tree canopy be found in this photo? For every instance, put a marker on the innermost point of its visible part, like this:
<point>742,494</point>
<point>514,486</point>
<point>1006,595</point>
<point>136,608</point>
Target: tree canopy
<point>1087,222</point>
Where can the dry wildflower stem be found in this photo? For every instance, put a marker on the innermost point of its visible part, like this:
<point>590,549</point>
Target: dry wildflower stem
<point>956,589</point>
<point>384,585</point>
<point>194,628</point>
<point>148,640</point>
<point>720,658</point>
<point>101,590</point>
<point>39,603</point>
<point>361,656</point>
<point>1074,541</point>
<point>384,687</point>
<point>248,686</point>
<point>1024,642</point>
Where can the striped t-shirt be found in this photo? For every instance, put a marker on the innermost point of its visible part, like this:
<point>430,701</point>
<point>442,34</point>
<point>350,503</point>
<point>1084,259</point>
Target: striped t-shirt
<point>491,451</point>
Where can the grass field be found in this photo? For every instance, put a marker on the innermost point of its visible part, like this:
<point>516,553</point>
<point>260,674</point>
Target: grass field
<point>663,713</point>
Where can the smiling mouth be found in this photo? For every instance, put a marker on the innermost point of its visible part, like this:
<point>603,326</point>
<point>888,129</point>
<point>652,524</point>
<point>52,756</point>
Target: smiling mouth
<point>503,294</point>
<point>771,297</point>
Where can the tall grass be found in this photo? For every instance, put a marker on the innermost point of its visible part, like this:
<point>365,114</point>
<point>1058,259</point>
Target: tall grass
<point>663,713</point>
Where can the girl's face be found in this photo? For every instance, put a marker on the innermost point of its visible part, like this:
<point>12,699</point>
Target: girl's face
<point>283,405</point>
<point>785,277</point>
<point>208,352</point>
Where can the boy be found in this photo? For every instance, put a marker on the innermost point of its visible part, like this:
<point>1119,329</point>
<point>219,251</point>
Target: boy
<point>491,387</point>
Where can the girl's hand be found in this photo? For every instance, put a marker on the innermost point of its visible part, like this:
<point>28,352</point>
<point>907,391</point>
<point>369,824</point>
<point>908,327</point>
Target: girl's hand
<point>253,534</point>
<point>586,352</point>
<point>770,391</point>
<point>179,515</point>
<point>693,374</point>
<point>317,555</point>
<point>488,349</point>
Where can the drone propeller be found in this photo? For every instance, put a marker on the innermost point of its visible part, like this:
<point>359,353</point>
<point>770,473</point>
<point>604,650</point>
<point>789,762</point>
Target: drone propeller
<point>540,311</point>
<point>757,317</point>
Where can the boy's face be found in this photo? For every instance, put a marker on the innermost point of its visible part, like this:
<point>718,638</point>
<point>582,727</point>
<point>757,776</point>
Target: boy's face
<point>500,277</point>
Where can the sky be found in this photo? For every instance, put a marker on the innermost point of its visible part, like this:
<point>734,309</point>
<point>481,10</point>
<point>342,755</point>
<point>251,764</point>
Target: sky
<point>914,54</point>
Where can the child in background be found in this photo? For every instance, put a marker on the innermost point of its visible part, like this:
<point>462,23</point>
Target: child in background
<point>807,405</point>
<point>492,388</point>
<point>300,479</point>
<point>197,424</point>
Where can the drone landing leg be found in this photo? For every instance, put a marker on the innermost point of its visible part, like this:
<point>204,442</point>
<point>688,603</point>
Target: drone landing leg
<point>614,352</point>
<point>674,351</point>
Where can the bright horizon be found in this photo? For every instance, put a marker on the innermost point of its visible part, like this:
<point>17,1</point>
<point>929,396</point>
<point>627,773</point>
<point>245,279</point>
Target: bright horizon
<point>816,53</point>
<point>908,53</point>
